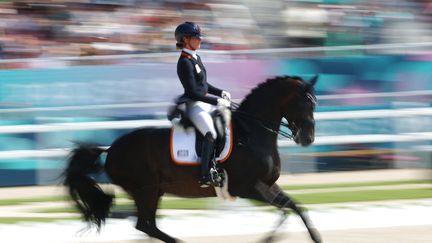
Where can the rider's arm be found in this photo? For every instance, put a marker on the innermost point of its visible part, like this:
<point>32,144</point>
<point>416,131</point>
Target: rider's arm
<point>214,91</point>
<point>185,71</point>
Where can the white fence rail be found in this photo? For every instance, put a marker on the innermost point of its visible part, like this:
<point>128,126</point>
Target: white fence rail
<point>82,126</point>
<point>380,113</point>
<point>323,140</point>
<point>131,124</point>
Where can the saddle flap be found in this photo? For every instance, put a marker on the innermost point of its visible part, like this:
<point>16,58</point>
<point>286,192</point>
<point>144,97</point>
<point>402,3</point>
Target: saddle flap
<point>183,146</point>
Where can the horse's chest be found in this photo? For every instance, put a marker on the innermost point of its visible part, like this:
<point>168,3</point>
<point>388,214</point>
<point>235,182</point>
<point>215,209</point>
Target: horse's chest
<point>258,161</point>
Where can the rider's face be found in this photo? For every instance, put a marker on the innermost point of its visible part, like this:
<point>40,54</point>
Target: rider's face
<point>193,43</point>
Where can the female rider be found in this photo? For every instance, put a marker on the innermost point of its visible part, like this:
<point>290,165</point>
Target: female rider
<point>199,104</point>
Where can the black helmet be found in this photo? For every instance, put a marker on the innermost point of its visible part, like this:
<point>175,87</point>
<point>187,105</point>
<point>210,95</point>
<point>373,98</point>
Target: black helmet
<point>187,29</point>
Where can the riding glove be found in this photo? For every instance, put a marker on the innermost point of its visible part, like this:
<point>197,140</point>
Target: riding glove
<point>226,95</point>
<point>223,102</point>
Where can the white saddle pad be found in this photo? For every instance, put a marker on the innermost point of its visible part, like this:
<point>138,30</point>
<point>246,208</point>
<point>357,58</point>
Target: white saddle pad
<point>182,146</point>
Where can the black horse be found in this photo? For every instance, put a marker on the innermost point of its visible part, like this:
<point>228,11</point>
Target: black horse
<point>141,164</point>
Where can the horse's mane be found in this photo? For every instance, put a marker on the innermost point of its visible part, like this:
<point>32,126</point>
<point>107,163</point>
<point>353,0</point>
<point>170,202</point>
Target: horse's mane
<point>276,85</point>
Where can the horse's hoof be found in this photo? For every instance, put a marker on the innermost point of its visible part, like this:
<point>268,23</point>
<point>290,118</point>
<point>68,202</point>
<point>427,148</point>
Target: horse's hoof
<point>268,239</point>
<point>318,240</point>
<point>177,241</point>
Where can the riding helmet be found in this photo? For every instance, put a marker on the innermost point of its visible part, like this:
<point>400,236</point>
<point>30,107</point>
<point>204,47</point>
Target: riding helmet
<point>187,29</point>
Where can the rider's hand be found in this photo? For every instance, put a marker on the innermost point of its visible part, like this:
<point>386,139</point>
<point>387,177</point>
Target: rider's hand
<point>226,95</point>
<point>223,102</point>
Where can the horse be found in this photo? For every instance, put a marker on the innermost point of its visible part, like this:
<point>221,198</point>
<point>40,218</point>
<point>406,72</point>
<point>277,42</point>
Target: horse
<point>140,162</point>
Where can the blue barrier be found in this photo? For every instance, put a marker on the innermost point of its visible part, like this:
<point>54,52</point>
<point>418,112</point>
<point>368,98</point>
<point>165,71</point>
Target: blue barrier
<point>147,82</point>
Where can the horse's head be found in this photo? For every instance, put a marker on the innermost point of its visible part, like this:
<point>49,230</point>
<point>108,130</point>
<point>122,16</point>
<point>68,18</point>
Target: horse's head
<point>298,110</point>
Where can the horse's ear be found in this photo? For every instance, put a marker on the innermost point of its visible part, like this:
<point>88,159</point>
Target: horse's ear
<point>313,80</point>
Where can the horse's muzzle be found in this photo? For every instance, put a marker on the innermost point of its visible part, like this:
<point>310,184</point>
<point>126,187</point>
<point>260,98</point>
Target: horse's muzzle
<point>304,139</point>
<point>307,141</point>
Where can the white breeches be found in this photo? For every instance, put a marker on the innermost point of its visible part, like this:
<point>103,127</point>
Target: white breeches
<point>199,114</point>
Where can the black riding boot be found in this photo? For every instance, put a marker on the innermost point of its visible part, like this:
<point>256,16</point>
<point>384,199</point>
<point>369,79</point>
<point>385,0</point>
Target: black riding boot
<point>207,153</point>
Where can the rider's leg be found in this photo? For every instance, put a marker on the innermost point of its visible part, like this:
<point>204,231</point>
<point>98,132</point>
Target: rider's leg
<point>199,115</point>
<point>207,153</point>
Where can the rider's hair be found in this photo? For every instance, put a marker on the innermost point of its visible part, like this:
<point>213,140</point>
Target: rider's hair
<point>179,45</point>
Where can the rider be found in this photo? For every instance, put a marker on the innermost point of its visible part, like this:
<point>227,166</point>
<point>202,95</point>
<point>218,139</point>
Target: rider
<point>199,105</point>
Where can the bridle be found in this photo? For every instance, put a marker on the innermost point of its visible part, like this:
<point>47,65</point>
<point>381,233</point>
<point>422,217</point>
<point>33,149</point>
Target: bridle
<point>263,124</point>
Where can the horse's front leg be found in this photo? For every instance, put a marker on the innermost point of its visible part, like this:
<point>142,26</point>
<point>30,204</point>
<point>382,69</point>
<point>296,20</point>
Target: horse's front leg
<point>276,197</point>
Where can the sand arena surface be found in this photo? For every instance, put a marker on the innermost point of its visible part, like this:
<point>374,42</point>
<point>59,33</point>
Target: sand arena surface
<point>401,221</point>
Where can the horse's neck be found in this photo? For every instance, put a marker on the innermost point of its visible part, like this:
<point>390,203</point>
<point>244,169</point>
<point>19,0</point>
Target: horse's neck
<point>262,123</point>
<point>268,114</point>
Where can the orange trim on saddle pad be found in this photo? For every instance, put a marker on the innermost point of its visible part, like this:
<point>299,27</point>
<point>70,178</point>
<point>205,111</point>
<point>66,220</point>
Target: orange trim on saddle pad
<point>196,163</point>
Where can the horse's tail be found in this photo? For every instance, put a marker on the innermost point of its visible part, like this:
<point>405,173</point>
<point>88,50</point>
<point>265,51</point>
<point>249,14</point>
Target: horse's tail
<point>91,200</point>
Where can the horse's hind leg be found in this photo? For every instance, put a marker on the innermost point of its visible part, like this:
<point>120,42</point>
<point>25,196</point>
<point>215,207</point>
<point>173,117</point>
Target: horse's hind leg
<point>146,201</point>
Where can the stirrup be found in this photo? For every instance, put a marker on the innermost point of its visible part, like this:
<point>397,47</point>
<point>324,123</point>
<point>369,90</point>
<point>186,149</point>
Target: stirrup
<point>218,176</point>
<point>206,181</point>
<point>214,178</point>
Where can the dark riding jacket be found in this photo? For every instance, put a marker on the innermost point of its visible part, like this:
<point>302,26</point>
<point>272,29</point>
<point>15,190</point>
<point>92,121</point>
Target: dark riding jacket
<point>193,77</point>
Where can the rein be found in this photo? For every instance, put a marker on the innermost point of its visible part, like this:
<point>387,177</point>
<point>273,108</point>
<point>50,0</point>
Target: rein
<point>261,123</point>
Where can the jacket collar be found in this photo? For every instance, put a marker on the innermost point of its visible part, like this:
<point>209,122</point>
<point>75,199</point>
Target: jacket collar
<point>191,53</point>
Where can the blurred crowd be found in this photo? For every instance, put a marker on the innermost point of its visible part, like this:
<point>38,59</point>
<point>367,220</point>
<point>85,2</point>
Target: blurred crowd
<point>48,28</point>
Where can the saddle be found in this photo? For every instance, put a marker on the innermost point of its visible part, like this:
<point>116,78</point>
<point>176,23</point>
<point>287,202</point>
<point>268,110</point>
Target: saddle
<point>186,140</point>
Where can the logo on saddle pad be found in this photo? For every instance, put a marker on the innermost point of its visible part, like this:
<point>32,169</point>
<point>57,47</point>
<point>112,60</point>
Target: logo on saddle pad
<point>183,146</point>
